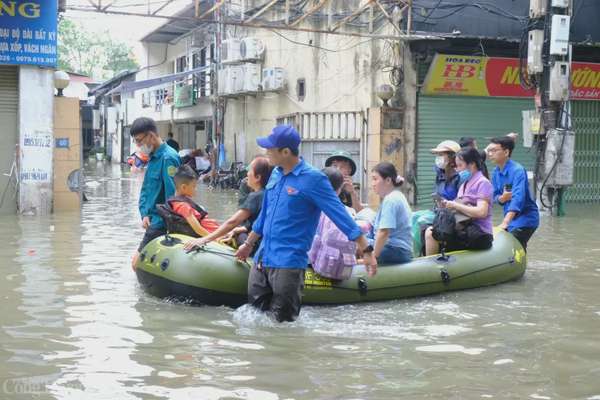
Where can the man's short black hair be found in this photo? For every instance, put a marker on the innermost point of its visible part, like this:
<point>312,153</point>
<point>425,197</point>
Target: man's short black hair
<point>185,174</point>
<point>170,134</point>
<point>466,141</point>
<point>143,125</point>
<point>505,142</point>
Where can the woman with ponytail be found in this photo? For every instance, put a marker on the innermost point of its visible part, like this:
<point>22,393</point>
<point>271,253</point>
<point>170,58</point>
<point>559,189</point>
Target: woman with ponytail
<point>391,235</point>
<point>474,200</point>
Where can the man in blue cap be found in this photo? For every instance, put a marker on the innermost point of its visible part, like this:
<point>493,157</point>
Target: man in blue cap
<point>294,198</point>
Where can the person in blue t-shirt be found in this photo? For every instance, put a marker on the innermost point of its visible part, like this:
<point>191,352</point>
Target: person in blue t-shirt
<point>158,183</point>
<point>391,236</point>
<point>511,190</point>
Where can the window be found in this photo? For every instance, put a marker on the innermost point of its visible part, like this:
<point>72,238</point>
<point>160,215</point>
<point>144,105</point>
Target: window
<point>202,81</point>
<point>301,89</point>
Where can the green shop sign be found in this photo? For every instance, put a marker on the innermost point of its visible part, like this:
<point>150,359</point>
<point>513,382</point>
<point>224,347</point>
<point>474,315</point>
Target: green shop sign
<point>184,96</point>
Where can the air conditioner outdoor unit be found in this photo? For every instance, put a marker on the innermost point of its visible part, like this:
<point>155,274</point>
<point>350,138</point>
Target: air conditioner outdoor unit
<point>252,48</point>
<point>223,80</point>
<point>236,79</point>
<point>273,79</point>
<point>252,77</point>
<point>231,51</point>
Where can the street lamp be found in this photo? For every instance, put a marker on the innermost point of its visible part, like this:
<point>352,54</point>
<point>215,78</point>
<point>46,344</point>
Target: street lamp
<point>61,81</point>
<point>385,92</point>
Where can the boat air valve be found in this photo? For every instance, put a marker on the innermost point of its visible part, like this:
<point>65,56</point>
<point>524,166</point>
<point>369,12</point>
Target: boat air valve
<point>164,264</point>
<point>445,276</point>
<point>362,286</point>
<point>153,258</point>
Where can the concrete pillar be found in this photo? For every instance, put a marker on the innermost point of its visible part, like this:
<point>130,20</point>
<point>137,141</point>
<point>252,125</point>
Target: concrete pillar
<point>409,98</point>
<point>385,141</point>
<point>67,152</point>
<point>36,99</point>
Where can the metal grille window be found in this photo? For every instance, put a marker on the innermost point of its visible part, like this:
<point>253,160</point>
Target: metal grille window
<point>586,122</point>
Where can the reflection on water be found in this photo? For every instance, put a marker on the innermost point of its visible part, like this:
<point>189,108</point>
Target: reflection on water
<point>75,324</point>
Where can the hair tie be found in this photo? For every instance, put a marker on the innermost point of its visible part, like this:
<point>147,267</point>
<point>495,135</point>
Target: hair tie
<point>399,180</point>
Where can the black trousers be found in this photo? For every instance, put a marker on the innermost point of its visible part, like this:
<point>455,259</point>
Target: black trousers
<point>150,235</point>
<point>277,291</point>
<point>523,235</point>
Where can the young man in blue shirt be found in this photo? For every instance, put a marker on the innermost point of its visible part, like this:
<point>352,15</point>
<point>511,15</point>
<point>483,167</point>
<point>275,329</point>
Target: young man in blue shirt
<point>294,198</point>
<point>158,183</point>
<point>511,190</point>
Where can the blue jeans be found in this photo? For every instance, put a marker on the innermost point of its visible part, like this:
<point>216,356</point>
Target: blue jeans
<point>394,255</point>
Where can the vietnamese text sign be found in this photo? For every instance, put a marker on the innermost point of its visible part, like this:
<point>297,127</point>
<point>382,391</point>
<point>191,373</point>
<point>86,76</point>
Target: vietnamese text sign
<point>28,32</point>
<point>499,77</point>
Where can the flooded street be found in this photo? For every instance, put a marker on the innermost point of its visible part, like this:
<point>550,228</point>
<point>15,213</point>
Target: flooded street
<point>76,325</point>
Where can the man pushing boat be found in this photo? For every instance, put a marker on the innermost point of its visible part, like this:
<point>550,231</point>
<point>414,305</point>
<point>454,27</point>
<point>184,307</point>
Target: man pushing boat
<point>294,198</point>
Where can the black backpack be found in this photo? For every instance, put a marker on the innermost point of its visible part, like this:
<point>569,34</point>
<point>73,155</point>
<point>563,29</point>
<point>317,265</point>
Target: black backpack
<point>444,225</point>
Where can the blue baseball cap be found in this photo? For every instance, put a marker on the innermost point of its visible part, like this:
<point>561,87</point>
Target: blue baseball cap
<point>281,136</point>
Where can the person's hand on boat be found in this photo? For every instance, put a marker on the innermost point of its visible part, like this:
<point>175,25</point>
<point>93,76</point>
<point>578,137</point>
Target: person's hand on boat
<point>191,244</point>
<point>370,263</point>
<point>243,252</point>
<point>146,222</point>
<point>503,226</point>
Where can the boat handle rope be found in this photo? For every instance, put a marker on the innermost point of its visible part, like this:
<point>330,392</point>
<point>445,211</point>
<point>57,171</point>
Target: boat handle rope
<point>197,249</point>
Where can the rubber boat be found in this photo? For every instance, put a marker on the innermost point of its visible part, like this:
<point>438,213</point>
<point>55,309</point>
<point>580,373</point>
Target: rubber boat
<point>212,276</point>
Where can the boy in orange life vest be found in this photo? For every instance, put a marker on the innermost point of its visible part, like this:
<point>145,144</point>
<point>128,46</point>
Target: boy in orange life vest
<point>182,204</point>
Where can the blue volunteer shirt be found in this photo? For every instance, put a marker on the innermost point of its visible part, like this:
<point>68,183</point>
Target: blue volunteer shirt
<point>290,213</point>
<point>522,203</point>
<point>446,188</point>
<point>158,183</point>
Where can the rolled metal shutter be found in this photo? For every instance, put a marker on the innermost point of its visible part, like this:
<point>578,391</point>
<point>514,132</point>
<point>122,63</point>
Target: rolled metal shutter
<point>450,118</point>
<point>9,106</point>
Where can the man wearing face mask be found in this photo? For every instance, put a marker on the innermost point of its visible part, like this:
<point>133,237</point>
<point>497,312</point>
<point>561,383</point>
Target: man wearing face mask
<point>158,180</point>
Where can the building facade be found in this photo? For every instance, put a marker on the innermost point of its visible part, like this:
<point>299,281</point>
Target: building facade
<point>27,42</point>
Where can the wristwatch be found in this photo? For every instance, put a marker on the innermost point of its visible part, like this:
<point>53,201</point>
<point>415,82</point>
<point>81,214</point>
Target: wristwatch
<point>368,249</point>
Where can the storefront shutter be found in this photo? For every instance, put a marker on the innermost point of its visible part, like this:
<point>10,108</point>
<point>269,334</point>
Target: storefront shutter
<point>9,105</point>
<point>450,118</point>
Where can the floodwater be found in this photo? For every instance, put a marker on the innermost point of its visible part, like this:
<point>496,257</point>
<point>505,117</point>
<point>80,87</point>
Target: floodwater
<point>76,325</point>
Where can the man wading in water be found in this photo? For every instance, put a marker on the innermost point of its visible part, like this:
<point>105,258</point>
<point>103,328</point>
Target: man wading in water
<point>294,198</point>
<point>158,183</point>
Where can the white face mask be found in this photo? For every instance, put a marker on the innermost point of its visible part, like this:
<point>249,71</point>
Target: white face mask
<point>146,149</point>
<point>440,162</point>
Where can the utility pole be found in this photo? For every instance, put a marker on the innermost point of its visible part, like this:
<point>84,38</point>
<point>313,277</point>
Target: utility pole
<point>549,72</point>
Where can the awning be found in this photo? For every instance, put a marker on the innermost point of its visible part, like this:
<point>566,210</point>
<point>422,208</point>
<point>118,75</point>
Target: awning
<point>126,87</point>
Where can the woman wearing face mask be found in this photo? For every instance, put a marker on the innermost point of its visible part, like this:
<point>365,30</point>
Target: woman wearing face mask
<point>446,179</point>
<point>447,182</point>
<point>474,200</point>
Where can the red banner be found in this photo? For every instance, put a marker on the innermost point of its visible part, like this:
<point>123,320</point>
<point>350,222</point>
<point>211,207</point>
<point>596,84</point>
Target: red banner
<point>499,77</point>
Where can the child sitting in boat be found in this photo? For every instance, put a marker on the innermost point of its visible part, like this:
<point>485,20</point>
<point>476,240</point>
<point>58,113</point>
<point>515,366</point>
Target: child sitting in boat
<point>332,255</point>
<point>181,213</point>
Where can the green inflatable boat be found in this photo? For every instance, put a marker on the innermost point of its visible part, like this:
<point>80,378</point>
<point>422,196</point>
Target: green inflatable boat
<point>213,276</point>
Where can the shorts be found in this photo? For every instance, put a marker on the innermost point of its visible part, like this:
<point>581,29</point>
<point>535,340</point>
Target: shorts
<point>471,237</point>
<point>277,291</point>
<point>523,235</point>
<point>394,255</point>
<point>150,235</point>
